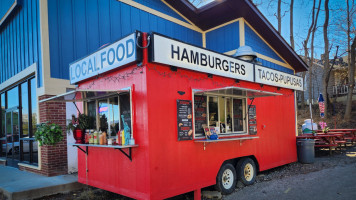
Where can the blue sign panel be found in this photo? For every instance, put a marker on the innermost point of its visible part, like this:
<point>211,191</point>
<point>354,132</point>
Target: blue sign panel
<point>6,7</point>
<point>113,56</point>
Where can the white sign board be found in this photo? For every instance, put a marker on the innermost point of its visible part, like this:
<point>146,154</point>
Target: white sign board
<point>113,56</point>
<point>171,52</point>
<point>276,78</point>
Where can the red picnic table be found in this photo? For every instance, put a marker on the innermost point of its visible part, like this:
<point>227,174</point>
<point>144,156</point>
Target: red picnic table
<point>324,140</point>
<point>348,134</point>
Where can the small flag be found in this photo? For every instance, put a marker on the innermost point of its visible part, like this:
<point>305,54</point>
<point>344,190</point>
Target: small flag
<point>321,105</point>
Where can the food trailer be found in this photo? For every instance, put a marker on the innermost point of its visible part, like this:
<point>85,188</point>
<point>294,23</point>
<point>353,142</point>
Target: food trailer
<point>175,97</point>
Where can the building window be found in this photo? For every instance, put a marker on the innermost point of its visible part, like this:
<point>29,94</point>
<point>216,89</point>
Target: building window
<point>2,125</point>
<point>227,114</point>
<point>19,119</point>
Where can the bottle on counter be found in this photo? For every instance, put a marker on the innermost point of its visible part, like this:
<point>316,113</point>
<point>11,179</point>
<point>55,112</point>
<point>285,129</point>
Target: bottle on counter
<point>101,139</point>
<point>99,133</point>
<point>104,137</point>
<point>96,137</point>
<point>122,137</point>
<point>91,136</point>
<point>86,140</point>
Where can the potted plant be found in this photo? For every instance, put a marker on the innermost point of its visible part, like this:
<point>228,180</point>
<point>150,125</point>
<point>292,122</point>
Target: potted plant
<point>79,125</point>
<point>48,133</point>
<point>77,131</point>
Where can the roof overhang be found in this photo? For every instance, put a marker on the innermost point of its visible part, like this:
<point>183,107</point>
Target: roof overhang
<point>237,92</point>
<point>79,95</point>
<point>223,11</point>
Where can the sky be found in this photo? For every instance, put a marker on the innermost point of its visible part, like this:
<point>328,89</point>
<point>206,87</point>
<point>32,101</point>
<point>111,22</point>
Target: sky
<point>302,19</point>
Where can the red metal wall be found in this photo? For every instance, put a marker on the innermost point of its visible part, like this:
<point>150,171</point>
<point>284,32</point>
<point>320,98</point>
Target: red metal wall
<point>180,166</point>
<point>108,168</point>
<point>162,166</point>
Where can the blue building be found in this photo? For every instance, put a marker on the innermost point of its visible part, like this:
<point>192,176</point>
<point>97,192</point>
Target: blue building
<point>40,38</point>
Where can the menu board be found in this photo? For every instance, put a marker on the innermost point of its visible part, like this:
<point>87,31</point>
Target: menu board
<point>200,114</point>
<point>252,122</point>
<point>184,120</point>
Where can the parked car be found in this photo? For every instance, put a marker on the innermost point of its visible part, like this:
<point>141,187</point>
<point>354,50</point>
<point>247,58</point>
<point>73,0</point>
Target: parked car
<point>11,147</point>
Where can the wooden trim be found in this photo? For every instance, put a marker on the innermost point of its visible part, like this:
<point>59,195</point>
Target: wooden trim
<point>221,25</point>
<point>160,14</point>
<point>242,32</point>
<point>204,39</point>
<point>8,12</point>
<point>180,14</point>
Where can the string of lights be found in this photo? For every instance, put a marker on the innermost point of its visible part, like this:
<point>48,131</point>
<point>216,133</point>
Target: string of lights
<point>139,69</point>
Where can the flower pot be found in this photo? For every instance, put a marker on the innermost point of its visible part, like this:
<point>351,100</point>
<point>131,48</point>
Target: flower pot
<point>78,136</point>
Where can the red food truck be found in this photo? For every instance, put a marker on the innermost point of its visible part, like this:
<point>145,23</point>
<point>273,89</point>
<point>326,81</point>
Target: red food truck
<point>196,117</point>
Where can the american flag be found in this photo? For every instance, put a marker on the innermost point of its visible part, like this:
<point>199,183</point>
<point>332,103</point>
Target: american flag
<point>321,105</point>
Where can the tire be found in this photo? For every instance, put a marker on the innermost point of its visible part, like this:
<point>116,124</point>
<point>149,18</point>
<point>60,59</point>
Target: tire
<point>246,171</point>
<point>226,179</point>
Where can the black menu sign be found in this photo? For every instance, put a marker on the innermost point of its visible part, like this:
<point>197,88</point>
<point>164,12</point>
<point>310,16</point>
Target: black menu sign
<point>184,120</point>
<point>252,122</point>
<point>200,114</point>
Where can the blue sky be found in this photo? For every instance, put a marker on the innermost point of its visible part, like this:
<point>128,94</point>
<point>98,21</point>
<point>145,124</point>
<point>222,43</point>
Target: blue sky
<point>302,20</point>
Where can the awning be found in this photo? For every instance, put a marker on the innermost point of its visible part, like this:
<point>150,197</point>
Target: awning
<point>78,95</point>
<point>237,91</point>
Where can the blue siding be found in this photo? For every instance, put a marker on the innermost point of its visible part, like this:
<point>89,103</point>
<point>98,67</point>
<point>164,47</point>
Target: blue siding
<point>275,66</point>
<point>258,45</point>
<point>5,6</point>
<point>224,39</point>
<point>161,7</point>
<point>20,42</point>
<point>78,28</point>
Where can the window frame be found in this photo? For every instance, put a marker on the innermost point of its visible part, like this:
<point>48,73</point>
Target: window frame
<point>107,98</point>
<point>30,136</point>
<point>232,97</point>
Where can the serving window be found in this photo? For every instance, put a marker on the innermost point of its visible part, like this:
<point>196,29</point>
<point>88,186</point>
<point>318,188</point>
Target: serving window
<point>110,112</point>
<point>227,114</point>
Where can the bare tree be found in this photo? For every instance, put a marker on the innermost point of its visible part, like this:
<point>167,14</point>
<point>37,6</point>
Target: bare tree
<point>311,61</point>
<point>291,24</point>
<point>279,17</point>
<point>327,70</point>
<point>311,30</point>
<point>352,81</point>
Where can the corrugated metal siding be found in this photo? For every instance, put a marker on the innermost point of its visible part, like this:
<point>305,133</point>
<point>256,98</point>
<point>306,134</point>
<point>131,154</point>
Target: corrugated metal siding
<point>20,42</point>
<point>224,39</point>
<point>77,28</point>
<point>275,66</point>
<point>258,45</point>
<point>5,5</point>
<point>161,7</point>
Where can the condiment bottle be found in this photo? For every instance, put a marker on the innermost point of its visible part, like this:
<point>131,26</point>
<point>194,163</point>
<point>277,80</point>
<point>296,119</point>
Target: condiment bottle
<point>86,136</point>
<point>99,133</point>
<point>122,137</point>
<point>101,139</point>
<point>96,141</point>
<point>104,137</point>
<point>91,136</point>
<point>117,137</point>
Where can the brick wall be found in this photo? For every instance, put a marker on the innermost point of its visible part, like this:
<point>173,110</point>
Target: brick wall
<point>53,158</point>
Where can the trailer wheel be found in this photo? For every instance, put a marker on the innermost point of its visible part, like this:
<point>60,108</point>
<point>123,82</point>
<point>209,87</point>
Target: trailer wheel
<point>246,171</point>
<point>226,179</point>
